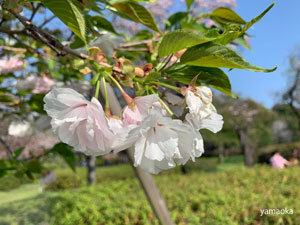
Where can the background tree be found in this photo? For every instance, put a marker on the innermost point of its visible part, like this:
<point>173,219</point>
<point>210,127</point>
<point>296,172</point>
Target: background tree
<point>292,95</point>
<point>251,123</point>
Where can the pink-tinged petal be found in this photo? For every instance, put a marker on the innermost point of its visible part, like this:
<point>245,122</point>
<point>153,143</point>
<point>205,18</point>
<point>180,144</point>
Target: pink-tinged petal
<point>145,103</point>
<point>140,109</point>
<point>78,122</point>
<point>131,116</point>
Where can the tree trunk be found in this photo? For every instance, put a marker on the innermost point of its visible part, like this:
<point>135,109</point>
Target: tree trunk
<point>221,153</point>
<point>152,192</point>
<point>246,147</point>
<point>91,166</point>
<point>183,169</point>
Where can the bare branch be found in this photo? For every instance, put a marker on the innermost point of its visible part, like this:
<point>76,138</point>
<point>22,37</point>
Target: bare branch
<point>12,32</point>
<point>7,148</point>
<point>47,21</point>
<point>34,10</point>
<point>8,48</point>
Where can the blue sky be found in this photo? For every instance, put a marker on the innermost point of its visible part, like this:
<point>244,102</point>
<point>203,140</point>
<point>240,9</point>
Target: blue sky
<point>275,37</point>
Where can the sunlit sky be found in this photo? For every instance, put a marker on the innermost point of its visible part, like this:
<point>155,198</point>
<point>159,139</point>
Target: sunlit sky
<point>274,38</point>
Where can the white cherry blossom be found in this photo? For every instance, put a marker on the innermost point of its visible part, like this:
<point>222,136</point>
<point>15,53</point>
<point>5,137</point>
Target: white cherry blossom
<point>78,122</point>
<point>161,142</point>
<point>202,113</point>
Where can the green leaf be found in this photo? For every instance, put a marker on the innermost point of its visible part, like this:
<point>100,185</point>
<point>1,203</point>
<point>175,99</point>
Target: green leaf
<point>189,3</point>
<point>213,77</point>
<point>36,103</point>
<point>18,152</point>
<point>95,79</point>
<point>177,40</point>
<point>256,19</point>
<point>137,13</point>
<point>242,41</point>
<point>77,43</point>
<point>34,166</point>
<point>65,151</point>
<point>103,23</point>
<point>69,14</point>
<point>128,68</point>
<point>175,19</point>
<point>6,98</point>
<point>216,55</point>
<point>234,31</point>
<point>7,165</point>
<point>226,15</point>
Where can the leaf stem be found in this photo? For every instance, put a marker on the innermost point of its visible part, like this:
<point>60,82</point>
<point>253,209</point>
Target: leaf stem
<point>168,86</point>
<point>168,59</point>
<point>127,98</point>
<point>162,102</point>
<point>105,93</point>
<point>97,89</point>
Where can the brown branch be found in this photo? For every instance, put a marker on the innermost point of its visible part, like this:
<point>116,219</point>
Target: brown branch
<point>12,32</point>
<point>132,44</point>
<point>47,21</point>
<point>34,10</point>
<point>8,48</point>
<point>61,50</point>
<point>7,148</point>
<point>133,49</point>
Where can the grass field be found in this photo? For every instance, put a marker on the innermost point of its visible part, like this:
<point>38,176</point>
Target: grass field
<point>210,193</point>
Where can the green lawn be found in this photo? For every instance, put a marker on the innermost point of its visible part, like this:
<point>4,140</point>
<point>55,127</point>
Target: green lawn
<point>209,194</point>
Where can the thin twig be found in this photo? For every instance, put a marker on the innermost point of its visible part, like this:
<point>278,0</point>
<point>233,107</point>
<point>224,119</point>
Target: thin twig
<point>8,48</point>
<point>133,49</point>
<point>47,21</point>
<point>34,10</point>
<point>8,150</point>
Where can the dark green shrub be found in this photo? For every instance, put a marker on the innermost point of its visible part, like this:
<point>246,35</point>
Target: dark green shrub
<point>64,181</point>
<point>11,181</point>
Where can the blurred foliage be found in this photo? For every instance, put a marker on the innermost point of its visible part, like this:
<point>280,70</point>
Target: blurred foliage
<point>286,150</point>
<point>11,181</point>
<point>64,181</point>
<point>34,166</point>
<point>234,196</point>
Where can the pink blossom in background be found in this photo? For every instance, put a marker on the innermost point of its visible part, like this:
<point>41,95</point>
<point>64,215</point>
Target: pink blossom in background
<point>33,145</point>
<point>210,5</point>
<point>43,85</point>
<point>38,143</point>
<point>78,122</point>
<point>13,64</point>
<point>209,23</point>
<point>126,26</point>
<point>25,84</point>
<point>160,8</point>
<point>38,84</point>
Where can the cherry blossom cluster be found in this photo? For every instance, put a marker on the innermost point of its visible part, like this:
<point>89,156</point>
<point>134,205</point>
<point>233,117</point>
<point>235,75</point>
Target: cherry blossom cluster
<point>13,64</point>
<point>39,85</point>
<point>160,142</point>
